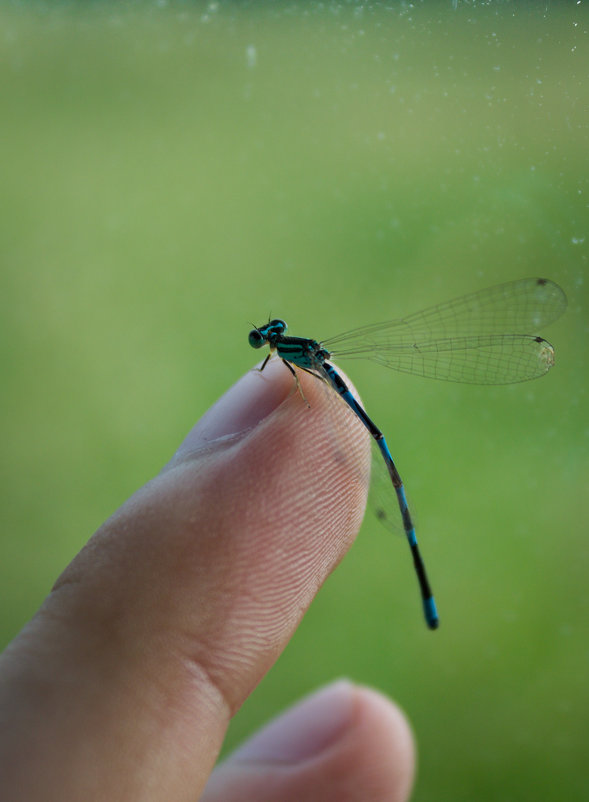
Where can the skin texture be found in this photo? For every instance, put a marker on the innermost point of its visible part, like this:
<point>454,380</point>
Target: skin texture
<point>124,683</point>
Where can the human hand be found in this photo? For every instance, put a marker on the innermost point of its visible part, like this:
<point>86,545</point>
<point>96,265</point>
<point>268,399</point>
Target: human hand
<point>123,684</point>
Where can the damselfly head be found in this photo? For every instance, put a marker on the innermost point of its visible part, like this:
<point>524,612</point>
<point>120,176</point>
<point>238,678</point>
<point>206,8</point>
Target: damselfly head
<point>266,333</point>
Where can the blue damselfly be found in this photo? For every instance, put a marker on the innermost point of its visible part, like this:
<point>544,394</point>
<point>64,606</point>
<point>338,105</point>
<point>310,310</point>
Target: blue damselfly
<point>480,338</point>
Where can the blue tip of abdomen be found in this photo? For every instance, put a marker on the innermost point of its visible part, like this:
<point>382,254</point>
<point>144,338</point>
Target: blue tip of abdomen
<point>431,613</point>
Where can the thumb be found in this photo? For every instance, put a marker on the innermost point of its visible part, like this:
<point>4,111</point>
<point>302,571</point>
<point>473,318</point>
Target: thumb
<point>343,742</point>
<point>123,684</point>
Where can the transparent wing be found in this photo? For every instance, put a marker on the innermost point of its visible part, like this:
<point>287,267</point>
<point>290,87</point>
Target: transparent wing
<point>482,338</point>
<point>487,359</point>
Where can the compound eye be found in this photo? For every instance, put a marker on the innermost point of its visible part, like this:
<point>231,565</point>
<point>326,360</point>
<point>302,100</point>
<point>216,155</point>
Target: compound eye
<point>255,339</point>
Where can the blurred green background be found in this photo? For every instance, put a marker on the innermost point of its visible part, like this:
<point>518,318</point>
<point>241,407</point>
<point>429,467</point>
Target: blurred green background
<point>171,172</point>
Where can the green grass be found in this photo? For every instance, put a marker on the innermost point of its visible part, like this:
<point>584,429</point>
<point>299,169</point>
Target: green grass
<point>173,172</point>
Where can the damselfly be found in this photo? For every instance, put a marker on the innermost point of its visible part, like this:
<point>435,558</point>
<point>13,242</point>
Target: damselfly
<point>481,338</point>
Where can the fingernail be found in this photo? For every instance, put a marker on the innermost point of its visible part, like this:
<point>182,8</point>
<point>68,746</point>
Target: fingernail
<point>241,408</point>
<point>304,730</point>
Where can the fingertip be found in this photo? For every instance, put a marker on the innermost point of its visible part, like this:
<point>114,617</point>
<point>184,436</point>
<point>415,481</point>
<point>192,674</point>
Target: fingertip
<point>240,409</point>
<point>390,737</point>
<point>342,742</point>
